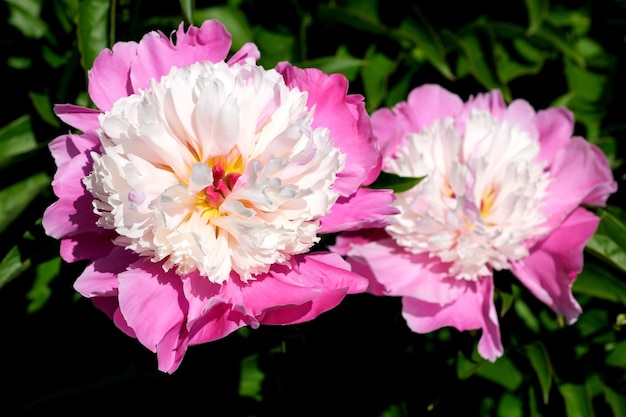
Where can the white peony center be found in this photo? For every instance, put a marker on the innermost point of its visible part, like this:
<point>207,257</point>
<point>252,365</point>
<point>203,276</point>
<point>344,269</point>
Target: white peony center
<point>479,204</point>
<point>214,169</point>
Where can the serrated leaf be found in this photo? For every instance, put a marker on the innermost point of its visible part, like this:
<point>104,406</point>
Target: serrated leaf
<point>540,361</point>
<point>12,266</point>
<point>15,198</point>
<point>16,138</point>
<point>577,400</point>
<point>609,241</point>
<point>395,182</point>
<point>92,29</point>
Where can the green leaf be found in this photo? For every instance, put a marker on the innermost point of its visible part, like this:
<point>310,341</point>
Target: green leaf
<point>616,401</point>
<point>42,104</point>
<point>17,138</point>
<point>375,74</point>
<point>559,40</point>
<point>342,62</point>
<point>275,47</point>
<point>187,7</point>
<point>251,379</point>
<point>93,29</point>
<point>577,401</point>
<point>25,17</point>
<point>12,266</point>
<point>526,314</point>
<point>394,182</point>
<point>537,12</point>
<point>424,37</point>
<point>477,47</point>
<point>617,355</point>
<point>600,283</point>
<point>40,291</point>
<point>15,198</point>
<point>502,372</point>
<point>609,241</point>
<point>510,406</point>
<point>540,361</point>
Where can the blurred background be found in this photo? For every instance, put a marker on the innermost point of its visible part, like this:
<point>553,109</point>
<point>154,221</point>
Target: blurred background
<point>61,354</point>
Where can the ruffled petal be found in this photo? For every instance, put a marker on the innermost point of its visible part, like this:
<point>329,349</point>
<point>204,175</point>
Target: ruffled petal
<point>109,77</point>
<point>473,309</point>
<point>553,264</point>
<point>424,105</point>
<point>157,53</point>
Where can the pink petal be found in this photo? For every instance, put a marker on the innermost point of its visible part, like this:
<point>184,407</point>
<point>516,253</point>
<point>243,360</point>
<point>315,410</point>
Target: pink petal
<point>364,209</point>
<point>316,283</point>
<point>344,244</point>
<point>473,309</point>
<point>87,245</point>
<point>157,53</point>
<point>248,50</point>
<point>520,113</point>
<point>210,315</point>
<point>580,175</point>
<point>402,273</point>
<point>64,148</point>
<point>491,101</point>
<point>79,117</point>
<point>109,77</point>
<point>555,126</point>
<point>345,116</point>
<point>99,279</point>
<point>553,264</point>
<point>152,304</point>
<point>424,105</point>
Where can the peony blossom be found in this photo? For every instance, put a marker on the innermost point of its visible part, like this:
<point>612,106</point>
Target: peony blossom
<point>502,189</point>
<point>199,188</point>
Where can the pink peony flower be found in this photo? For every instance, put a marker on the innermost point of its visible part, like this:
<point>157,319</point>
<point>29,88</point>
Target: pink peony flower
<point>199,188</point>
<point>502,190</point>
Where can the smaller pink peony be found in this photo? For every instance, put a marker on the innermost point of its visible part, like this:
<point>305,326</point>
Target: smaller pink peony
<point>200,187</point>
<point>502,190</point>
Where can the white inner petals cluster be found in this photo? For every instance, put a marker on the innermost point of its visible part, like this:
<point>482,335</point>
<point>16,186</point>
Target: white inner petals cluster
<point>480,201</point>
<point>214,169</point>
